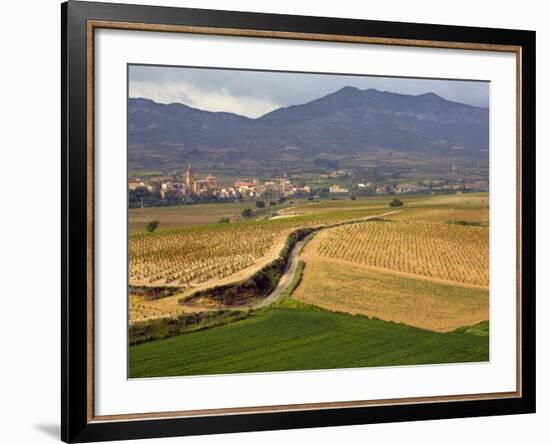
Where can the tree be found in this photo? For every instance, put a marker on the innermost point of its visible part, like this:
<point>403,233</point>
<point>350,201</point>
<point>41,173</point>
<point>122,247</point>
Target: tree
<point>247,212</point>
<point>152,226</point>
<point>396,203</point>
<point>326,163</point>
<point>260,204</point>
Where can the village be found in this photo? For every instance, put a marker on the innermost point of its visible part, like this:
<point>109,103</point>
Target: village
<point>190,189</point>
<point>187,187</point>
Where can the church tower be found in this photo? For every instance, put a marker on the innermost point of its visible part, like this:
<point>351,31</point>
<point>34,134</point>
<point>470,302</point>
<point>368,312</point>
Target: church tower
<point>282,183</point>
<point>189,180</point>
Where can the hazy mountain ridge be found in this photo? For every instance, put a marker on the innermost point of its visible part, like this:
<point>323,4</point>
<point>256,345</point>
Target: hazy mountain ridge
<point>346,121</point>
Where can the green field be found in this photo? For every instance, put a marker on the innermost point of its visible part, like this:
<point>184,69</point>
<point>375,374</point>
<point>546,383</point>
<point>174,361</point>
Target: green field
<point>302,338</point>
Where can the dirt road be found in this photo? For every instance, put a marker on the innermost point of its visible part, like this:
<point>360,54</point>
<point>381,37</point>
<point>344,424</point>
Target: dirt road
<point>170,306</point>
<point>292,264</point>
<point>287,276</point>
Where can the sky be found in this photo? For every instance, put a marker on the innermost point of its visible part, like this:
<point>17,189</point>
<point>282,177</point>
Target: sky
<point>255,93</point>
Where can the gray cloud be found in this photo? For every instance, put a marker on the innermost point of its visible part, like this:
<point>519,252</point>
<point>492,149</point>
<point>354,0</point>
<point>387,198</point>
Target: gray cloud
<point>254,93</point>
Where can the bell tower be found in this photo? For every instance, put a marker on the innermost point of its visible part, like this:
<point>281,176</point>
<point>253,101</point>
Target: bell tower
<point>189,180</point>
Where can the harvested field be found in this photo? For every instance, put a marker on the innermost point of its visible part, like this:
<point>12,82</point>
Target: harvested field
<point>422,303</point>
<point>183,215</point>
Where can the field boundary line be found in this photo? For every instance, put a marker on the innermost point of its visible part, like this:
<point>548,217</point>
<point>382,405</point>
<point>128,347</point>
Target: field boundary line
<point>405,274</point>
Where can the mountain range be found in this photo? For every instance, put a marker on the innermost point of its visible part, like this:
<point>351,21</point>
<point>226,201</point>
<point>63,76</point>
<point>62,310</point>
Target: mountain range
<point>347,122</point>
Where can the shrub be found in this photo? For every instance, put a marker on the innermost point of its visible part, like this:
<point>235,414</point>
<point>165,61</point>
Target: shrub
<point>465,223</point>
<point>396,203</point>
<point>154,293</point>
<point>152,226</point>
<point>154,329</point>
<point>260,204</point>
<point>224,220</point>
<point>247,212</point>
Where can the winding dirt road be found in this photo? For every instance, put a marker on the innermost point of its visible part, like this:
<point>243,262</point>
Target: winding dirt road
<point>292,264</point>
<point>287,276</point>
<point>170,306</point>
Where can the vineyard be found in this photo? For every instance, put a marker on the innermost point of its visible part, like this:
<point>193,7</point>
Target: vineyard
<point>193,255</point>
<point>442,214</point>
<point>181,257</point>
<point>409,282</point>
<point>426,238</point>
<point>450,252</point>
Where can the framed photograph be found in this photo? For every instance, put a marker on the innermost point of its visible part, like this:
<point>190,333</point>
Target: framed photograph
<point>275,221</point>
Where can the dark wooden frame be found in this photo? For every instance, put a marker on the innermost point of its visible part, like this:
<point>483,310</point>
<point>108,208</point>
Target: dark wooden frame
<point>79,20</point>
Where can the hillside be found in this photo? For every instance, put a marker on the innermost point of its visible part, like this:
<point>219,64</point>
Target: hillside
<point>347,122</point>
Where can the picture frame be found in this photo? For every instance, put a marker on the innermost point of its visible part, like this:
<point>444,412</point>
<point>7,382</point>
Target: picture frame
<point>80,21</point>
